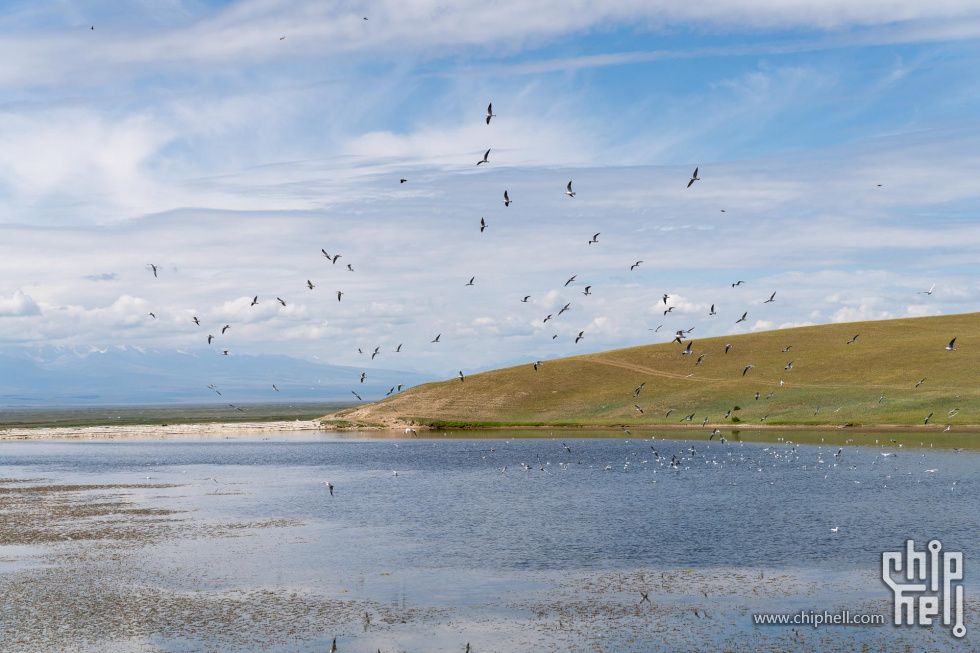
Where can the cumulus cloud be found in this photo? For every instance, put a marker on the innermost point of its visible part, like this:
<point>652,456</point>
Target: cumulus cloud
<point>18,305</point>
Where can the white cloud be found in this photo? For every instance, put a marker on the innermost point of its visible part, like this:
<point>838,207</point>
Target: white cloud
<point>18,305</point>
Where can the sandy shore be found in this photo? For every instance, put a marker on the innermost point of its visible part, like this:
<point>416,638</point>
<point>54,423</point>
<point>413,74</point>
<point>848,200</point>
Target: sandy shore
<point>159,430</point>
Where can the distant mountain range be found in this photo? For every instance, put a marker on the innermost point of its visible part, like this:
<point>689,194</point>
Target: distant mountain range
<point>47,376</point>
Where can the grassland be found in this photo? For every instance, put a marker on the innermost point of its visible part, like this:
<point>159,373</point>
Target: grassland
<point>889,357</point>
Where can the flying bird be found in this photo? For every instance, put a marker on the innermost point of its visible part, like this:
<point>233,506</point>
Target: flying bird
<point>363,374</point>
<point>742,319</point>
<point>402,181</point>
<point>694,178</point>
<point>461,377</point>
<point>638,409</point>
<point>490,113</point>
<point>636,265</point>
<point>920,383</point>
<point>281,301</point>
<point>927,292</point>
<point>255,300</point>
<point>688,350</point>
<point>196,321</point>
<point>507,199</point>
<point>564,308</point>
<point>152,315</point>
<point>789,366</point>
<point>569,190</point>
<point>399,349</point>
<point>225,328</point>
<point>309,284</point>
<point>771,299</point>
<point>747,368</point>
<point>727,347</point>
<point>581,334</point>
<point>356,395</point>
<point>712,312</point>
<point>212,387</point>
<point>153,267</point>
<point>274,387</point>
<point>485,159</point>
<point>483,225</point>
<point>210,338</point>
<point>586,291</point>
<point>669,310</point>
<point>666,297</point>
<point>225,352</point>
<point>700,358</point>
<point>571,280</point>
<point>949,347</point>
<point>526,297</point>
<point>737,283</point>
<point>350,267</point>
<point>437,338</point>
<point>928,418</point>
<point>595,238</point>
<point>339,294</point>
<point>853,339</point>
<point>470,282</point>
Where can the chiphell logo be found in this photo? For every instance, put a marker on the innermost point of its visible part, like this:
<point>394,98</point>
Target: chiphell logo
<point>938,589</point>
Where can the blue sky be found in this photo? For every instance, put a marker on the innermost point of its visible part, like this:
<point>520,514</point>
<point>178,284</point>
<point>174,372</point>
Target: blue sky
<point>190,135</point>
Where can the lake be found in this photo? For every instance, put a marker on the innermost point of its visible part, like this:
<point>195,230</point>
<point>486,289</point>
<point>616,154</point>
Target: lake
<point>506,540</point>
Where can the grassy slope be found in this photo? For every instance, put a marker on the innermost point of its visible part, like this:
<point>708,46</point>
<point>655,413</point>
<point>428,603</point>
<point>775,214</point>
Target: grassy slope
<point>889,357</point>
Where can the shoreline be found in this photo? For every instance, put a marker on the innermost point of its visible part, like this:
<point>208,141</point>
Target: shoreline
<point>156,430</point>
<point>323,425</point>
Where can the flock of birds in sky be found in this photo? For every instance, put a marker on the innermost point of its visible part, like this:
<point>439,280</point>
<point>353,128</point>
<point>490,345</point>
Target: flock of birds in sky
<point>586,291</point>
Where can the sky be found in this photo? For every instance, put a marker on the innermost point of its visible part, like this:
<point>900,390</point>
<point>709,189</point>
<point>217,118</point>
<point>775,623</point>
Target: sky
<point>228,142</point>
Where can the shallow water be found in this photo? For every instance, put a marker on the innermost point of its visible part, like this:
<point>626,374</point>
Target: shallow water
<point>453,532</point>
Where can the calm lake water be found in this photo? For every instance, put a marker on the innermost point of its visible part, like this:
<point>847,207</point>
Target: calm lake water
<point>464,522</point>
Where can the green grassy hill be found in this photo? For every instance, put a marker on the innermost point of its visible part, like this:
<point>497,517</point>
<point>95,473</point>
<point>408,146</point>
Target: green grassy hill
<point>889,357</point>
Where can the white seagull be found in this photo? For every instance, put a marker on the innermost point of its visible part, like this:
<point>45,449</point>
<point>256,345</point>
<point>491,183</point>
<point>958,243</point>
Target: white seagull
<point>570,192</point>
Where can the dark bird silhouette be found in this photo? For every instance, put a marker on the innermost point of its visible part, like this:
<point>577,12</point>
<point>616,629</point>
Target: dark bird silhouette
<point>742,319</point>
<point>483,225</point>
<point>485,159</point>
<point>255,300</point>
<point>581,334</point>
<point>281,301</point>
<point>437,338</point>
<point>309,284</point>
<point>196,321</point>
<point>356,395</point>
<point>737,283</point>
<point>853,339</point>
<point>747,368</point>
<point>490,113</point>
<point>694,178</point>
<point>595,238</point>
<point>154,268</point>
<point>772,298</point>
<point>571,280</point>
<point>507,200</point>
<point>339,295</point>
<point>225,328</point>
<point>949,347</point>
<point>210,338</point>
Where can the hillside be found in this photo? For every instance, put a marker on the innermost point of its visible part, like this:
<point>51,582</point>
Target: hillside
<point>889,357</point>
